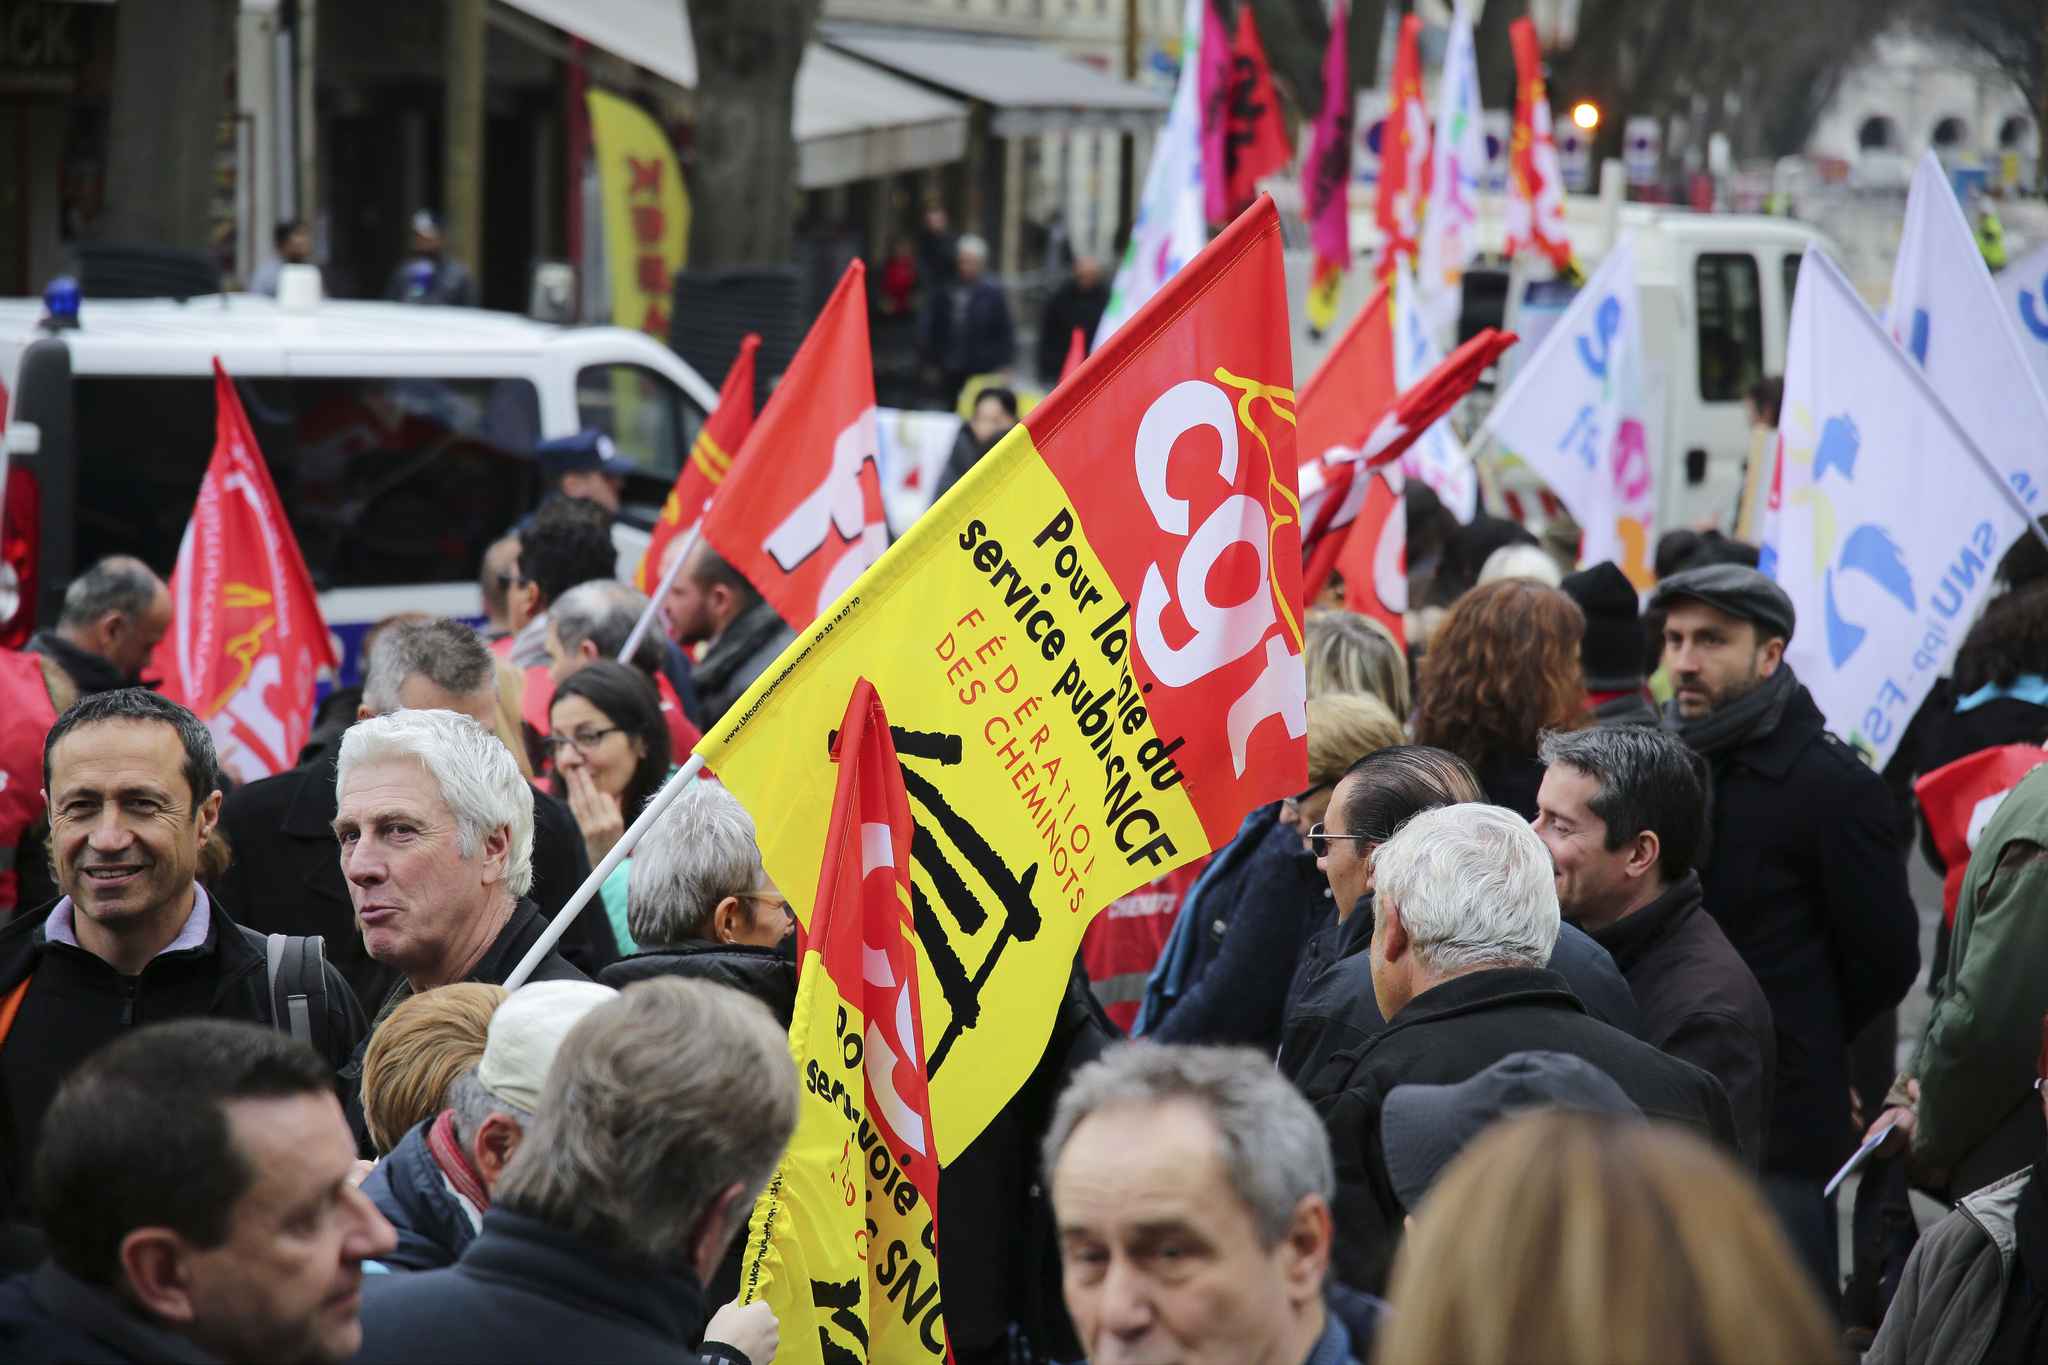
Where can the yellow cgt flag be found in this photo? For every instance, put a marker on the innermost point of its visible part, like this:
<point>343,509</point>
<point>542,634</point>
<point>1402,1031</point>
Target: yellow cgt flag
<point>1091,653</point>
<point>646,211</point>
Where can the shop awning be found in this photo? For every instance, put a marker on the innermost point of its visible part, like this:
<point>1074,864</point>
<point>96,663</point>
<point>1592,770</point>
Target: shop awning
<point>654,34</point>
<point>854,121</point>
<point>1030,88</point>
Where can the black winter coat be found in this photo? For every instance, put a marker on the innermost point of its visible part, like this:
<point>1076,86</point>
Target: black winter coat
<point>525,1291</point>
<point>767,974</point>
<point>1258,910</point>
<point>286,874</point>
<point>53,1318</point>
<point>1331,1007</point>
<point>78,1003</point>
<point>1700,1001</point>
<point>1806,876</point>
<point>1451,1033</point>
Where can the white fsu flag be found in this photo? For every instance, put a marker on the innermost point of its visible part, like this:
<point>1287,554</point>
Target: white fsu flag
<point>1886,520</point>
<point>2023,292</point>
<point>1574,415</point>
<point>1437,460</point>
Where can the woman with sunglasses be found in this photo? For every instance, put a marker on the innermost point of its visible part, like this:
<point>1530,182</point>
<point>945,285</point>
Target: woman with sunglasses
<point>610,748</point>
<point>1223,975</point>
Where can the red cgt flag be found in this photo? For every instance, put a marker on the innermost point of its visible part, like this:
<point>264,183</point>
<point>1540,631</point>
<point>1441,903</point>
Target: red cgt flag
<point>800,511</point>
<point>1960,798</point>
<point>1404,153</point>
<point>710,458</point>
<point>247,640</point>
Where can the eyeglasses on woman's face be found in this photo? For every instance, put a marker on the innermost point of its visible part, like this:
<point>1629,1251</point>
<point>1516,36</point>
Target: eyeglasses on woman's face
<point>584,741</point>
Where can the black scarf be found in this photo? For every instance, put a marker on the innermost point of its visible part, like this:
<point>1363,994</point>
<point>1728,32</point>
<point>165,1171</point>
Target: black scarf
<point>750,630</point>
<point>1751,716</point>
<point>89,671</point>
<point>2021,1337</point>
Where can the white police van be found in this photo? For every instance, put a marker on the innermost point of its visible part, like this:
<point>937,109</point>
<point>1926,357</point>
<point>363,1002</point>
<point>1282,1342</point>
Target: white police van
<point>399,437</point>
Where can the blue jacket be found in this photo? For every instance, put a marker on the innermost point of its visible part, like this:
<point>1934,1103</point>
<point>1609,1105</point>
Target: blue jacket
<point>52,1318</point>
<point>406,1186</point>
<point>1240,932</point>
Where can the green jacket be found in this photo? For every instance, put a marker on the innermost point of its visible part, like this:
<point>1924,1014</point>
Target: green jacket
<point>1953,1287</point>
<point>1979,1117</point>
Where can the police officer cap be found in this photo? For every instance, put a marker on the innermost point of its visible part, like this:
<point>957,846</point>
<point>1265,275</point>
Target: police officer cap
<point>1734,588</point>
<point>587,450</point>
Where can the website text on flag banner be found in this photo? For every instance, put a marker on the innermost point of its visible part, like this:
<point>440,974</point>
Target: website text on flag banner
<point>1404,154</point>
<point>709,458</point>
<point>1536,181</point>
<point>800,512</point>
<point>1574,415</point>
<point>1091,647</point>
<point>1450,223</point>
<point>2023,286</point>
<point>1886,521</point>
<point>1946,313</point>
<point>646,211</point>
<point>1171,224</point>
<point>1438,461</point>
<point>843,1243</point>
<point>1326,177</point>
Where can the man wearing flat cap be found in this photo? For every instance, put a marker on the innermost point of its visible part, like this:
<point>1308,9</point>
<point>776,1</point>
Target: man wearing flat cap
<point>1805,872</point>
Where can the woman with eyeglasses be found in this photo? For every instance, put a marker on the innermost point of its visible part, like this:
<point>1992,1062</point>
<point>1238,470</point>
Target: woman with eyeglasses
<point>1224,973</point>
<point>610,749</point>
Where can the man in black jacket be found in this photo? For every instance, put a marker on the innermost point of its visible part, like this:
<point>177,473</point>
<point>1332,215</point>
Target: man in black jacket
<point>286,874</point>
<point>1806,871</point>
<point>637,1172</point>
<point>133,786</point>
<point>1465,914</point>
<point>1622,811</point>
<point>700,903</point>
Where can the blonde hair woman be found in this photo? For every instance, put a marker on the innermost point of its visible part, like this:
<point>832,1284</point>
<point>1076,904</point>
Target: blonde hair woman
<point>416,1054</point>
<point>1348,652</point>
<point>1588,1239</point>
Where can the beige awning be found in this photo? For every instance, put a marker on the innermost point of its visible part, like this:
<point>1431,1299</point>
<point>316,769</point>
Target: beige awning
<point>854,121</point>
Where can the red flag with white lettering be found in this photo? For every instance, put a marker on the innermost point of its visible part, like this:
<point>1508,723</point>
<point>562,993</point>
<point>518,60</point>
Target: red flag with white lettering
<point>711,455</point>
<point>800,511</point>
<point>246,643</point>
<point>1960,798</point>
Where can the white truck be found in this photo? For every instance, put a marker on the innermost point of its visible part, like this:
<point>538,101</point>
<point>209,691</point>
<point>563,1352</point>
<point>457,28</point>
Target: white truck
<point>400,438</point>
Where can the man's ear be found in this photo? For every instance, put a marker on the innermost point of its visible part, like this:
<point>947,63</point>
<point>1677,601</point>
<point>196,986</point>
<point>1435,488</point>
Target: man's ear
<point>497,1138</point>
<point>1394,940</point>
<point>153,1265</point>
<point>1769,656</point>
<point>1643,852</point>
<point>728,918</point>
<point>1307,1243</point>
<point>714,1231</point>
<point>497,849</point>
<point>586,650</point>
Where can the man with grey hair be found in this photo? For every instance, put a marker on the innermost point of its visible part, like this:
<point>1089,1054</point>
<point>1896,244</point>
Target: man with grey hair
<point>1623,811</point>
<point>700,904</point>
<point>285,877</point>
<point>114,614</point>
<point>1191,1191</point>
<point>637,1171</point>
<point>1464,918</point>
<point>435,1185</point>
<point>593,621</point>
<point>967,329</point>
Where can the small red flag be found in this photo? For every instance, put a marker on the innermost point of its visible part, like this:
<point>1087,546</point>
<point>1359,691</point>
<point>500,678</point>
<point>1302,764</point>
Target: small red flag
<point>1404,153</point>
<point>1077,351</point>
<point>247,641</point>
<point>1255,141</point>
<point>1959,799</point>
<point>725,430</point>
<point>800,511</point>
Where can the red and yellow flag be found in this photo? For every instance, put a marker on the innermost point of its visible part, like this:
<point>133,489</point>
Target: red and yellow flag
<point>1092,649</point>
<point>1535,177</point>
<point>1404,154</point>
<point>844,1239</point>
<point>800,511</point>
<point>710,457</point>
<point>246,641</point>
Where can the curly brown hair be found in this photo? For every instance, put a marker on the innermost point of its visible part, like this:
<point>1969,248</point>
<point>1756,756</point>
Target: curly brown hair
<point>1503,668</point>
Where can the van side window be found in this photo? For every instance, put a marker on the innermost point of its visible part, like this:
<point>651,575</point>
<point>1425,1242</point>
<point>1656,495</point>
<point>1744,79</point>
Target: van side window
<point>384,481</point>
<point>1731,325</point>
<point>645,414</point>
<point>1791,267</point>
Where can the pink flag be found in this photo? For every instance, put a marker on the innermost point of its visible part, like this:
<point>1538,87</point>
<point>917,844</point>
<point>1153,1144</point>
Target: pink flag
<point>1214,93</point>
<point>1326,179</point>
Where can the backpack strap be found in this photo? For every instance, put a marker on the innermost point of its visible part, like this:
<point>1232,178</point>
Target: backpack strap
<point>296,971</point>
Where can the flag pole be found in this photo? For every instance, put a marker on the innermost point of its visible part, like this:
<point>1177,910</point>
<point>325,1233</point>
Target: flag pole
<point>668,580</point>
<point>620,851</point>
<point>1837,280</point>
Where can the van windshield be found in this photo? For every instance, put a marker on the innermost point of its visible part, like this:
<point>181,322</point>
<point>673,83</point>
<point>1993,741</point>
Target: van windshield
<point>384,481</point>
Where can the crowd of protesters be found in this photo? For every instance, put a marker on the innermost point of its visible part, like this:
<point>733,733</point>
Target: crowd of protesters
<point>1527,1031</point>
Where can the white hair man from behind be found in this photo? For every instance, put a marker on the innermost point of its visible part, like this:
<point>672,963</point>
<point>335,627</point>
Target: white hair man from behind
<point>664,1114</point>
<point>1465,914</point>
<point>701,905</point>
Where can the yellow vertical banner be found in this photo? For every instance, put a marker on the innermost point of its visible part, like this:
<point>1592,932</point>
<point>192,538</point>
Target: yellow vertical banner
<point>646,211</point>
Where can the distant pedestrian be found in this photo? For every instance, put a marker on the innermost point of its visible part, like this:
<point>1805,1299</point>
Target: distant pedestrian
<point>896,290</point>
<point>1614,648</point>
<point>1078,303</point>
<point>712,605</point>
<point>995,412</point>
<point>967,327</point>
<point>292,244</point>
<point>428,274</point>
